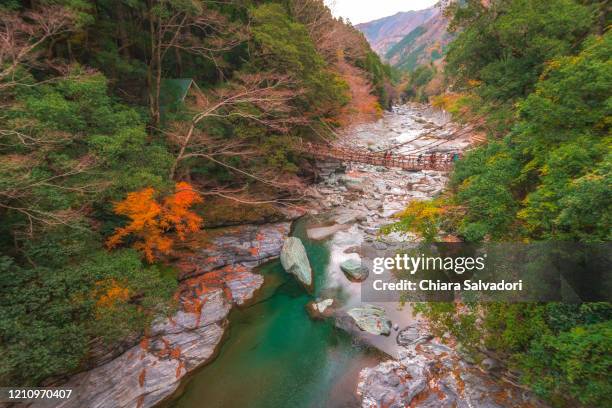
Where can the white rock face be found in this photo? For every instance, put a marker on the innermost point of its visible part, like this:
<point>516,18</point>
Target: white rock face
<point>295,260</point>
<point>150,372</point>
<point>436,376</point>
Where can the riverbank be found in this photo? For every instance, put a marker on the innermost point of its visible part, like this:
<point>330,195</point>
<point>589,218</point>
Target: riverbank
<point>216,271</point>
<point>291,359</point>
<point>271,339</point>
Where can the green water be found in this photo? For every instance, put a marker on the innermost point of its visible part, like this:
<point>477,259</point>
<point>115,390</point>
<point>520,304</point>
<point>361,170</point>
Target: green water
<point>276,356</point>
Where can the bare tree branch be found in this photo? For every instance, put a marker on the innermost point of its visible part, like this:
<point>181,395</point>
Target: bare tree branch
<point>263,99</point>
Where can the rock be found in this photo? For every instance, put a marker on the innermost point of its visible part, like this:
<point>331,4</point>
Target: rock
<point>371,319</point>
<point>379,245</point>
<point>348,180</point>
<point>407,335</point>
<point>489,364</point>
<point>381,186</point>
<point>349,217</point>
<point>320,310</point>
<point>151,371</point>
<point>322,233</point>
<point>361,217</point>
<point>354,270</point>
<point>358,188</point>
<point>295,261</point>
<point>248,245</point>
<point>353,250</point>
<point>425,379</point>
<point>242,285</point>
<point>390,384</point>
<point>412,336</point>
<point>396,327</point>
<point>373,204</point>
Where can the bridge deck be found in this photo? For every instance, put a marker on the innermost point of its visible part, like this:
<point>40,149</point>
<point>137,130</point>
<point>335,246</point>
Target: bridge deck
<point>406,162</point>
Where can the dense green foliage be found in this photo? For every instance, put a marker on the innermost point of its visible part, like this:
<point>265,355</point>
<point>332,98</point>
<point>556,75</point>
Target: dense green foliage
<point>289,50</point>
<point>83,150</point>
<point>417,81</point>
<point>51,312</point>
<point>85,121</point>
<point>409,38</point>
<point>555,161</point>
<point>503,49</point>
<point>539,75</point>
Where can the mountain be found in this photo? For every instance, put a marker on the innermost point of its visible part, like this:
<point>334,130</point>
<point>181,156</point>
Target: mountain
<point>383,33</point>
<point>425,44</point>
<point>409,39</point>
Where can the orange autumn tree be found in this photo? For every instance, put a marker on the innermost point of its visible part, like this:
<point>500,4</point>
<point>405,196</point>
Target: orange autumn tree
<point>113,294</point>
<point>151,221</point>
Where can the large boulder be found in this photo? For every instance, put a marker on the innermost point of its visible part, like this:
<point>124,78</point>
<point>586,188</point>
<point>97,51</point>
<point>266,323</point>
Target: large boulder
<point>295,261</point>
<point>371,319</point>
<point>391,384</point>
<point>354,270</point>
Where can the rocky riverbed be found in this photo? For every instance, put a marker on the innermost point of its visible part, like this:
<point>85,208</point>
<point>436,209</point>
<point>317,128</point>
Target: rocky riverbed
<point>348,205</point>
<point>354,201</point>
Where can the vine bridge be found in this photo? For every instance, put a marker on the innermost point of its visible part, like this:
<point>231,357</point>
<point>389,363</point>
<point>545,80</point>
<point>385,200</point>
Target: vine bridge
<point>410,162</point>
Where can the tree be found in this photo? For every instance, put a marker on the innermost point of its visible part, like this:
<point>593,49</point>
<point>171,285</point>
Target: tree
<point>185,26</point>
<point>506,43</point>
<point>78,301</point>
<point>260,98</point>
<point>22,36</point>
<point>150,221</point>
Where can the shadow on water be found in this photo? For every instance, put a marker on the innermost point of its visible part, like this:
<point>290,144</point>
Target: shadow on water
<point>276,356</point>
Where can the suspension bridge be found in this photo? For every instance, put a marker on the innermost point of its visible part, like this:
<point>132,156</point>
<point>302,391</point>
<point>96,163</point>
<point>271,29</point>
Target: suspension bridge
<point>410,162</point>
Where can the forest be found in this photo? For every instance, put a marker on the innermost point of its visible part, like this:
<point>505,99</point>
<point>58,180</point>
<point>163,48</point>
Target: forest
<point>127,125</point>
<point>535,78</point>
<point>121,121</point>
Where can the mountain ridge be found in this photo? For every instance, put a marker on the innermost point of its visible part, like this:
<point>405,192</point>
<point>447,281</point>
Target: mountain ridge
<point>385,32</point>
<point>409,39</point>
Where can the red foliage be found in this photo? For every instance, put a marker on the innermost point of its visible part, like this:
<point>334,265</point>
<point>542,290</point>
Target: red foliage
<point>151,221</point>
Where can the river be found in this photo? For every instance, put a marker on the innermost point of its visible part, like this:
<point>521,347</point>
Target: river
<point>276,355</point>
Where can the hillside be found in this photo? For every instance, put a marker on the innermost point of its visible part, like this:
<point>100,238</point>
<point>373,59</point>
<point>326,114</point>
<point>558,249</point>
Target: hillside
<point>384,33</point>
<point>426,43</point>
<point>409,39</point>
<point>150,113</point>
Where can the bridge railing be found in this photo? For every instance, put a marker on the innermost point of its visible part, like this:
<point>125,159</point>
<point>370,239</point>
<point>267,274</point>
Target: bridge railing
<point>406,162</point>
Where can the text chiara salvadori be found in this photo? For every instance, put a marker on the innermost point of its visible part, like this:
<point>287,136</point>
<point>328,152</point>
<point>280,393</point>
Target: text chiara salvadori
<point>437,285</point>
<point>459,265</point>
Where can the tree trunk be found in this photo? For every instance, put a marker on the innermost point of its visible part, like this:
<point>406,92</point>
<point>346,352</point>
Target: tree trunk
<point>154,70</point>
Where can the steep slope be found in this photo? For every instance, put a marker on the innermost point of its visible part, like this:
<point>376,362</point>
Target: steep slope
<point>425,44</point>
<point>409,39</point>
<point>384,33</point>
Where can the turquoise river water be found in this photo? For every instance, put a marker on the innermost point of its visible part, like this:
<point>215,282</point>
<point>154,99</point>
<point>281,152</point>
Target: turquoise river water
<point>276,356</point>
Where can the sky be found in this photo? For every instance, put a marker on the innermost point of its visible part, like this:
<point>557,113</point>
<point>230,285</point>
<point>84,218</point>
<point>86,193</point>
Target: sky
<point>361,11</point>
